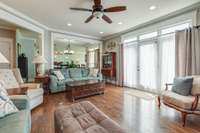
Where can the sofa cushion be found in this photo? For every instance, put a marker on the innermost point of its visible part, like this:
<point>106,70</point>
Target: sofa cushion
<point>6,105</point>
<point>85,72</point>
<point>184,102</point>
<point>196,85</point>
<point>75,73</point>
<point>59,75</point>
<point>19,122</point>
<point>65,73</point>
<point>84,117</point>
<point>7,76</point>
<point>182,85</point>
<point>32,93</point>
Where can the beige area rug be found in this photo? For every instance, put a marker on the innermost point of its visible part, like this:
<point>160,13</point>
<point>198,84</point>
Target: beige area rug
<point>140,94</point>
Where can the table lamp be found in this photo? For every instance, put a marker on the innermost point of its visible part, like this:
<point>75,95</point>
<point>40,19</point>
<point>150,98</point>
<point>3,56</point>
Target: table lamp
<point>39,61</point>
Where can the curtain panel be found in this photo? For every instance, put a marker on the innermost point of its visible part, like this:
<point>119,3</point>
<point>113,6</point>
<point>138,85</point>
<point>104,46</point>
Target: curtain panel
<point>187,52</point>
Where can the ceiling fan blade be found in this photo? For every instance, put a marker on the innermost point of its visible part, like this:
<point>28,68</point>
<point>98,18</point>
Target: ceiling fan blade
<point>107,19</point>
<point>115,9</point>
<point>81,9</point>
<point>97,2</point>
<point>89,18</point>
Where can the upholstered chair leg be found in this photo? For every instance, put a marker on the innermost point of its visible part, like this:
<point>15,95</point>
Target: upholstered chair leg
<point>184,115</point>
<point>159,102</point>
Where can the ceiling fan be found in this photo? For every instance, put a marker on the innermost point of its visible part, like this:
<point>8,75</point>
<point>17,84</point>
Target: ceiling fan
<point>99,12</point>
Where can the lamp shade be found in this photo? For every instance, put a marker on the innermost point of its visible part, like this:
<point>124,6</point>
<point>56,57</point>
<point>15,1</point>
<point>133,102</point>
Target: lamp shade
<point>3,59</point>
<point>39,60</point>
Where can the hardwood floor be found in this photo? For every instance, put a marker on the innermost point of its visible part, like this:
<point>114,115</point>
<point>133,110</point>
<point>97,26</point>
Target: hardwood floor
<point>133,114</point>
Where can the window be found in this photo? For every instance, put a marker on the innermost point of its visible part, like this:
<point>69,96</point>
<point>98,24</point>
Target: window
<point>91,59</point>
<point>149,61</point>
<point>167,61</point>
<point>130,65</point>
<point>149,35</point>
<point>148,66</point>
<point>174,28</point>
<point>130,40</point>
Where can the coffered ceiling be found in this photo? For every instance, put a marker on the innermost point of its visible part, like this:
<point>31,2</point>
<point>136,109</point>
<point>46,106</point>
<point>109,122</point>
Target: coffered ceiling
<point>56,14</point>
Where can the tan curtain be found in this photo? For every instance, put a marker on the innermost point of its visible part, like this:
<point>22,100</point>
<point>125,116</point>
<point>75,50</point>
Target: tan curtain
<point>188,52</point>
<point>121,65</point>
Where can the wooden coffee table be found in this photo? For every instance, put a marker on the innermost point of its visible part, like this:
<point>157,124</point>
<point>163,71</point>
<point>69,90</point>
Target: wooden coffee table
<point>81,89</point>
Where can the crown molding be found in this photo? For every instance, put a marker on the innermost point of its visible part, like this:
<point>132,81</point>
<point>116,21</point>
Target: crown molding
<point>38,24</point>
<point>75,34</point>
<point>154,21</point>
<point>21,15</point>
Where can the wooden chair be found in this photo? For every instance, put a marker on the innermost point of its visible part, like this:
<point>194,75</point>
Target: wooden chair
<point>185,104</point>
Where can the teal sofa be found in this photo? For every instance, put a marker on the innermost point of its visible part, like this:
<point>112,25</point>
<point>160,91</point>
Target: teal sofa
<point>19,122</point>
<point>71,74</point>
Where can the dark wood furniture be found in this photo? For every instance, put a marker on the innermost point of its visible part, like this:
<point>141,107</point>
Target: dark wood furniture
<point>44,80</point>
<point>17,91</point>
<point>80,89</point>
<point>109,65</point>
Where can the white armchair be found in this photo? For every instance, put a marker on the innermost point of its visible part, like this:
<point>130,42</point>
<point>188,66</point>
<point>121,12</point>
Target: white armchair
<point>13,79</point>
<point>185,104</point>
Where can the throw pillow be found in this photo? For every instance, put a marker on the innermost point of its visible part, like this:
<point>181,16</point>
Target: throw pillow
<point>6,105</point>
<point>59,75</point>
<point>183,85</point>
<point>93,72</point>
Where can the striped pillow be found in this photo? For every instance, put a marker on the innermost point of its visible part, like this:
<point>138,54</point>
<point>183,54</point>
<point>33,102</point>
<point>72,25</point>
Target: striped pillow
<point>6,105</point>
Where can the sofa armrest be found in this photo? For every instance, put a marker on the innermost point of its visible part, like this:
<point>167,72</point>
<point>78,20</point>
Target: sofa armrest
<point>196,102</point>
<point>31,85</point>
<point>100,76</point>
<point>20,101</point>
<point>53,81</point>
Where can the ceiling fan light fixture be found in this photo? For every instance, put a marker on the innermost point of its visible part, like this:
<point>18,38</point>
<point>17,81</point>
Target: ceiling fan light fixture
<point>98,14</point>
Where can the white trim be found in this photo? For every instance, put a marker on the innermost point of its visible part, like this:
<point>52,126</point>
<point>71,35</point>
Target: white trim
<point>72,34</point>
<point>21,15</point>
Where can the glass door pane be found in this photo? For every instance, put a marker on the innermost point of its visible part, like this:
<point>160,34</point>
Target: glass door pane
<point>167,55</point>
<point>130,65</point>
<point>148,66</point>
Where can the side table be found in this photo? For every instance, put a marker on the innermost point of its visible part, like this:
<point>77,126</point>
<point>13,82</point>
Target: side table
<point>44,80</point>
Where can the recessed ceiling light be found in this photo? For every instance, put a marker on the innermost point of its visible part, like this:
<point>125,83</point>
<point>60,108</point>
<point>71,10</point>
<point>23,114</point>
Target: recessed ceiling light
<point>153,7</point>
<point>101,32</point>
<point>120,23</point>
<point>69,24</point>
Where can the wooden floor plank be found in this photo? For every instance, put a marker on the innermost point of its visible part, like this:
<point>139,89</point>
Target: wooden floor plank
<point>134,114</point>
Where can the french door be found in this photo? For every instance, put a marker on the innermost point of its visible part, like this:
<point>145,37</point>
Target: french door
<point>147,66</point>
<point>131,65</point>
<point>140,65</point>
